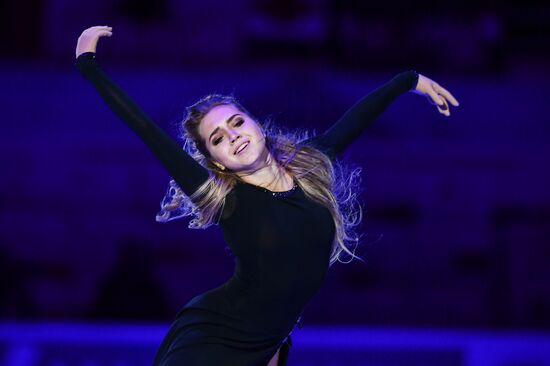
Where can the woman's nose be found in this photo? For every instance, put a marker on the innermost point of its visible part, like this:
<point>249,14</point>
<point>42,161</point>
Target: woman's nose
<point>233,136</point>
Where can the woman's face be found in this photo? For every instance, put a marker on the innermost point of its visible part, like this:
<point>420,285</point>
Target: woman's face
<point>226,130</point>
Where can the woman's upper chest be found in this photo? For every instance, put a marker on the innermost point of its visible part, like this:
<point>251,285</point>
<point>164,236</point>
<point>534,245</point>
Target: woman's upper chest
<point>288,217</point>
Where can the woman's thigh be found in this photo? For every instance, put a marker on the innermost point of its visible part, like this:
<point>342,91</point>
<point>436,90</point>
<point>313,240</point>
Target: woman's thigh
<point>275,359</point>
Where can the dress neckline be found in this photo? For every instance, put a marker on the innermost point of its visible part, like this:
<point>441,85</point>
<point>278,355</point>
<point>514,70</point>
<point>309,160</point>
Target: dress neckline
<point>275,193</point>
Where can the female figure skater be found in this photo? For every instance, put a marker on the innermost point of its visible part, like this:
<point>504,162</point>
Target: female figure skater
<point>284,210</point>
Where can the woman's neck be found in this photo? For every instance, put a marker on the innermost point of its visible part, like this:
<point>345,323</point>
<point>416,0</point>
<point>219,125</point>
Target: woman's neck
<point>270,176</point>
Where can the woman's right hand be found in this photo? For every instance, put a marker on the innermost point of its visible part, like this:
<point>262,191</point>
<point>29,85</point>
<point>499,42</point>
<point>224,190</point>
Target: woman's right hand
<point>87,42</point>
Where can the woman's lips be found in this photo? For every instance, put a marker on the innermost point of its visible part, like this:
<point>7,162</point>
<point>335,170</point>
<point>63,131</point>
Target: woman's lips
<point>247,143</point>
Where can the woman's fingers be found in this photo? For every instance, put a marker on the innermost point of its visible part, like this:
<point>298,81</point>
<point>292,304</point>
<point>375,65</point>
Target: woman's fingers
<point>435,98</point>
<point>87,42</point>
<point>441,97</point>
<point>444,109</point>
<point>439,101</point>
<point>436,94</point>
<point>101,30</point>
<point>441,90</point>
<point>97,29</point>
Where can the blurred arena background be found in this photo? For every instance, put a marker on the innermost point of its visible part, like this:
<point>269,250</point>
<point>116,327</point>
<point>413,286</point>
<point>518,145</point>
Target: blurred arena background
<point>456,229</point>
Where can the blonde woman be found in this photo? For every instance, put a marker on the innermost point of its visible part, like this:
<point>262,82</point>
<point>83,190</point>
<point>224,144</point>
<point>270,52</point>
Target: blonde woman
<point>286,207</point>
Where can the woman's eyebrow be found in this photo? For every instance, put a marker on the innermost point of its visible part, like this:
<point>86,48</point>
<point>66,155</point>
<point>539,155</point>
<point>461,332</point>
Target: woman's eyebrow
<point>226,122</point>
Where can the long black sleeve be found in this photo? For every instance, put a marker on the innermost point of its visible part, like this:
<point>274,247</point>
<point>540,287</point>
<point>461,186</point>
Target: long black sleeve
<point>185,170</point>
<point>359,116</point>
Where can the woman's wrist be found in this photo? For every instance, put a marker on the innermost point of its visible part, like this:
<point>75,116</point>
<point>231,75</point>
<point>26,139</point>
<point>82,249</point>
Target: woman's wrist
<point>90,54</point>
<point>414,80</point>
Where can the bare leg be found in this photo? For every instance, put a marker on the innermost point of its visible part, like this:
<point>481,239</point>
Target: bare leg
<point>275,359</point>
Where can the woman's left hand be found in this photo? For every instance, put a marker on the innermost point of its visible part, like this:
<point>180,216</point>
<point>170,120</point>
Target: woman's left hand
<point>436,94</point>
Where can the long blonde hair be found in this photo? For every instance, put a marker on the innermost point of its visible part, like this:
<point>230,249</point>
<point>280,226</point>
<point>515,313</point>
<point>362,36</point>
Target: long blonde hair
<point>331,184</point>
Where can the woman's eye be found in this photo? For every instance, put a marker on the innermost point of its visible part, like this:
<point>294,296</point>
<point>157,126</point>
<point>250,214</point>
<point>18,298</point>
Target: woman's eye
<point>239,122</point>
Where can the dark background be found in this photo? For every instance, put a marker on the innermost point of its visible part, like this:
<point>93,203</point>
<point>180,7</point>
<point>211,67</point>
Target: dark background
<point>457,215</point>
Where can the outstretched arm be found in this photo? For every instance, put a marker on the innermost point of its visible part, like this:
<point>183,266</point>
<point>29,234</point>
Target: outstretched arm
<point>185,170</point>
<point>359,116</point>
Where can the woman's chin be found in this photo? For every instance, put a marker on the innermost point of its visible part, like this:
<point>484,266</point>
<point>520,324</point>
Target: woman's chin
<point>251,160</point>
<point>250,165</point>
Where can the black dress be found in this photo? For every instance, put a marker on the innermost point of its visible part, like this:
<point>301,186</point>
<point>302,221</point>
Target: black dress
<point>281,241</point>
